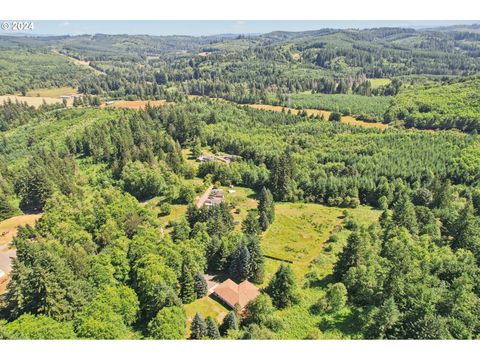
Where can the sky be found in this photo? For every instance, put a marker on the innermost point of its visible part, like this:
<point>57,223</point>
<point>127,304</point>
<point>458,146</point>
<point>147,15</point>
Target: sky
<point>199,28</point>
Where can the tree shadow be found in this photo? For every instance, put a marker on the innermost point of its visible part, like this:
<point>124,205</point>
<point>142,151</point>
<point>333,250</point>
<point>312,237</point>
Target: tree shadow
<point>349,323</point>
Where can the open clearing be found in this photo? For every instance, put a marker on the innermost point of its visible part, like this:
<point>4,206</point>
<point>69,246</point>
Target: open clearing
<point>52,92</point>
<point>33,100</point>
<point>376,83</point>
<point>205,306</point>
<point>80,63</point>
<point>315,112</point>
<point>8,228</point>
<point>300,232</point>
<point>136,104</point>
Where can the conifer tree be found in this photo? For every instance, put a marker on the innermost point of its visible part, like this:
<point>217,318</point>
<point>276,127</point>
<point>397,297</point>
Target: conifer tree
<point>251,225</point>
<point>266,209</point>
<point>212,328</point>
<point>181,230</point>
<point>239,263</point>
<point>230,322</point>
<point>198,329</point>
<point>257,261</point>
<point>187,286</point>
<point>404,213</point>
<point>282,288</point>
<point>200,286</point>
<point>6,210</point>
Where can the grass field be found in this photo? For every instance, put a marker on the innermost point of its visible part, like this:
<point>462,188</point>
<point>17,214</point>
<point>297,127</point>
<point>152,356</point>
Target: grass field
<point>32,100</point>
<point>300,232</point>
<point>136,104</point>
<point>52,92</point>
<point>376,83</point>
<point>315,112</point>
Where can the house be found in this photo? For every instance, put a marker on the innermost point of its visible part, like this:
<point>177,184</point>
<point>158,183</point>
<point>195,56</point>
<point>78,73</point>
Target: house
<point>233,294</point>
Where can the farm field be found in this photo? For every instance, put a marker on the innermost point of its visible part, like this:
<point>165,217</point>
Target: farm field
<point>315,112</point>
<point>52,92</point>
<point>135,104</point>
<point>34,100</point>
<point>366,107</point>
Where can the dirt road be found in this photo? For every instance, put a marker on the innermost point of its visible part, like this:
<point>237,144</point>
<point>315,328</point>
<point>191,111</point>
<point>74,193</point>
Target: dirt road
<point>204,197</point>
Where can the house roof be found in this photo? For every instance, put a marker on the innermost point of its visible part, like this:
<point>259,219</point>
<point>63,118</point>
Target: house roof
<point>232,293</point>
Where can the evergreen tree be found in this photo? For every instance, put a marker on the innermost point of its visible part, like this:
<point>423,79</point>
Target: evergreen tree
<point>187,286</point>
<point>266,209</point>
<point>257,261</point>
<point>239,263</point>
<point>198,328</point>
<point>251,225</point>
<point>200,286</point>
<point>181,230</point>
<point>230,322</point>
<point>6,210</point>
<point>404,213</point>
<point>382,320</point>
<point>282,288</point>
<point>196,148</point>
<point>212,328</point>
<point>281,176</point>
<point>467,231</point>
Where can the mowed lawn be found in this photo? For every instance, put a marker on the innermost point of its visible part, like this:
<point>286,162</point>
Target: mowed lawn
<point>205,306</point>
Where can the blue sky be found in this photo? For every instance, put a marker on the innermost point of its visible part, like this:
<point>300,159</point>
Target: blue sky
<point>175,27</point>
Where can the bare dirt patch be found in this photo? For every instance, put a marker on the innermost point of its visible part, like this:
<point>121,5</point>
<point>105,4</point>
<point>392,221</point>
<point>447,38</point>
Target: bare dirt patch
<point>9,227</point>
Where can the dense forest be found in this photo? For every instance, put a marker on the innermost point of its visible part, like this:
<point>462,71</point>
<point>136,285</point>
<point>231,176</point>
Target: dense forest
<point>347,231</point>
<point>109,270</point>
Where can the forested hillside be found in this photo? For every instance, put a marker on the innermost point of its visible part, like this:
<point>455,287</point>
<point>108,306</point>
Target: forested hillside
<point>104,263</point>
<point>357,72</point>
<point>443,105</point>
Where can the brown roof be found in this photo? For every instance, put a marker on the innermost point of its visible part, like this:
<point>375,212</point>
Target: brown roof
<point>232,293</point>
